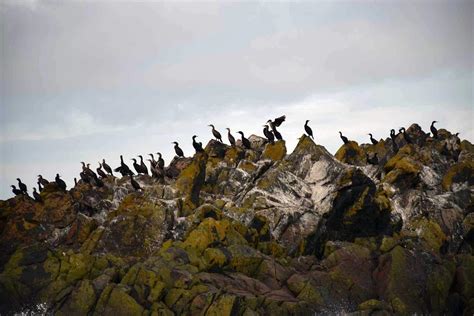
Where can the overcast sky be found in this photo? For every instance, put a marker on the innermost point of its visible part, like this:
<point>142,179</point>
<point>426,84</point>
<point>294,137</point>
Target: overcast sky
<point>82,81</point>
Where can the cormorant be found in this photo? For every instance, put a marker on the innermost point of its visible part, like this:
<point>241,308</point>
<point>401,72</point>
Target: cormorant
<point>178,150</point>
<point>433,129</point>
<point>274,124</point>
<point>152,168</point>
<point>344,138</point>
<point>277,122</point>
<point>75,182</point>
<point>142,165</point>
<point>152,161</point>
<point>161,161</point>
<point>308,129</point>
<point>100,172</point>
<point>16,191</point>
<point>197,146</point>
<point>60,182</point>
<point>268,134</point>
<point>394,143</point>
<point>97,182</point>
<point>84,177</point>
<point>40,188</point>
<point>393,136</point>
<point>123,169</point>
<point>137,167</point>
<point>245,141</point>
<point>107,167</point>
<point>374,160</point>
<point>156,171</point>
<point>406,137</point>
<point>230,137</point>
<point>36,196</point>
<point>134,183</point>
<point>91,172</point>
<point>42,180</point>
<point>22,186</point>
<point>216,134</point>
<point>373,140</point>
<point>87,171</point>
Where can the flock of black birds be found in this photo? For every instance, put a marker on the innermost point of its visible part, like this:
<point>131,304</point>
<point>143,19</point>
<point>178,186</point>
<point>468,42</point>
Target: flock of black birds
<point>157,167</point>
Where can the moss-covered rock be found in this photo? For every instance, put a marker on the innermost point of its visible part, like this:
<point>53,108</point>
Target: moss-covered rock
<point>464,283</point>
<point>191,180</point>
<point>136,227</point>
<point>211,233</point>
<point>351,153</point>
<point>114,300</point>
<point>274,151</point>
<point>81,301</point>
<point>459,173</point>
<point>403,169</point>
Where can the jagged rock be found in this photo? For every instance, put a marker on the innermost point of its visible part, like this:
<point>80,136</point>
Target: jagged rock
<point>351,153</point>
<point>216,149</point>
<point>275,151</point>
<point>462,172</point>
<point>176,166</point>
<point>257,231</point>
<point>136,228</point>
<point>191,180</point>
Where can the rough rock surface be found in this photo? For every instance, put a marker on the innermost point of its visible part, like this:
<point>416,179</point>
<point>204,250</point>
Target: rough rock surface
<point>248,232</point>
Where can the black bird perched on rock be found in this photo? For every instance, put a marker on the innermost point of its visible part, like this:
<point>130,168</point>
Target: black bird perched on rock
<point>84,177</point>
<point>36,196</point>
<point>22,186</point>
<point>16,191</point>
<point>277,122</point>
<point>97,182</point>
<point>216,134</point>
<point>374,160</point>
<point>178,150</point>
<point>197,146</point>
<point>143,166</point>
<point>107,167</point>
<point>344,138</point>
<point>42,180</point>
<point>152,161</point>
<point>100,172</point>
<point>134,183</point>
<point>75,182</point>
<point>87,170</point>
<point>153,168</point>
<point>373,140</point>
<point>274,124</point>
<point>406,137</point>
<point>268,134</point>
<point>245,141</point>
<point>433,129</point>
<point>60,182</point>
<point>276,133</point>
<point>137,167</point>
<point>308,129</point>
<point>123,169</point>
<point>230,137</point>
<point>393,136</point>
<point>161,161</point>
<point>40,188</point>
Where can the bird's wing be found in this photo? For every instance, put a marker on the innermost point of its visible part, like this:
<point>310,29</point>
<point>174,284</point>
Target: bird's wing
<point>279,120</point>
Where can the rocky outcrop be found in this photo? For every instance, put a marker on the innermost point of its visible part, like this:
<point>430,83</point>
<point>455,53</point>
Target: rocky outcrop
<point>259,231</point>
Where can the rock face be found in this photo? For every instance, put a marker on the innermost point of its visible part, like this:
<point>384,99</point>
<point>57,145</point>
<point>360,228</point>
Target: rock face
<point>259,231</point>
